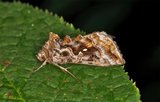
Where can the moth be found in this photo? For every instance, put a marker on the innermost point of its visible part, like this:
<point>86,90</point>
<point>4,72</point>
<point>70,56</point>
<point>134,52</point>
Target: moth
<point>97,48</point>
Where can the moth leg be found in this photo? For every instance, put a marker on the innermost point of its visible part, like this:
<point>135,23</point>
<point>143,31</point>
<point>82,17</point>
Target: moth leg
<point>43,64</point>
<point>64,69</point>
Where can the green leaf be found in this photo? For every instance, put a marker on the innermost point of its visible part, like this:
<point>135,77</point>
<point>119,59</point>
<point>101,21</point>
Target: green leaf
<point>23,31</point>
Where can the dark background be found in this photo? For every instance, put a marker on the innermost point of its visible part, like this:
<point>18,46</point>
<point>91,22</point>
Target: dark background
<point>135,25</point>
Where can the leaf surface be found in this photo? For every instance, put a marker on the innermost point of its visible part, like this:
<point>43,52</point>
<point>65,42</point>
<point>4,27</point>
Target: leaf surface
<point>23,31</point>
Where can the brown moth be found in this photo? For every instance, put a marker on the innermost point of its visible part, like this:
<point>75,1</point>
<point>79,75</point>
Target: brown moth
<point>97,48</point>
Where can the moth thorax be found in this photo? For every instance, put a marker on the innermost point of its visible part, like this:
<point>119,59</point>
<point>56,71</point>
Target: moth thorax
<point>53,36</point>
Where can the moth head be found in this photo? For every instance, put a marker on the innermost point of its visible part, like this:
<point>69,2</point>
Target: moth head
<point>42,56</point>
<point>48,47</point>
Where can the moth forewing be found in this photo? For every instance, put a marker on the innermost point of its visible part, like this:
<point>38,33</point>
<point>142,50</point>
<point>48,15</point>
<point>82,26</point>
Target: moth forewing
<point>97,48</point>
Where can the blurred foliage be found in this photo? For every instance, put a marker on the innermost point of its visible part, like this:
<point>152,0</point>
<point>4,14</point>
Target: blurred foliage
<point>91,15</point>
<point>23,31</point>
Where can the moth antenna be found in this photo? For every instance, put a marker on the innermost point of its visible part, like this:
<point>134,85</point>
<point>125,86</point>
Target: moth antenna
<point>43,64</point>
<point>65,69</point>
